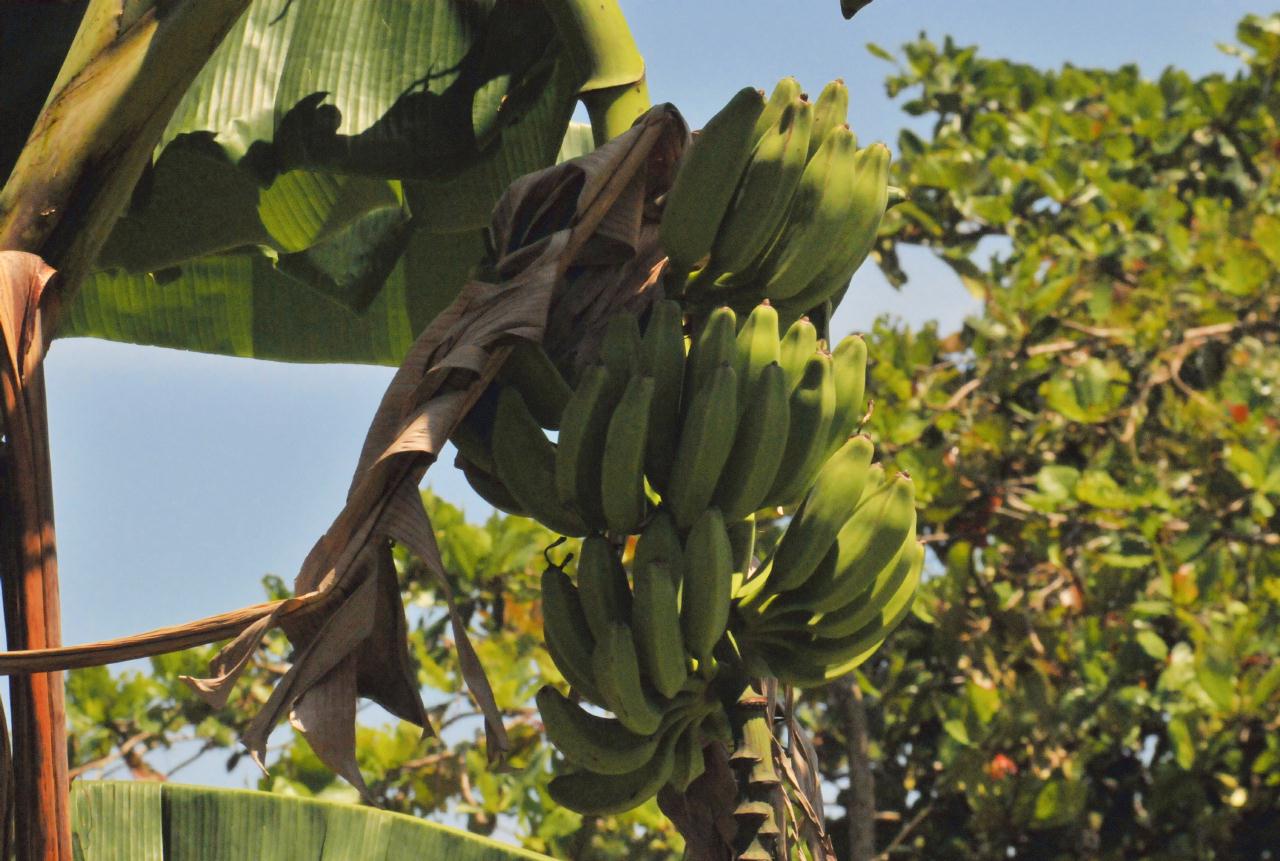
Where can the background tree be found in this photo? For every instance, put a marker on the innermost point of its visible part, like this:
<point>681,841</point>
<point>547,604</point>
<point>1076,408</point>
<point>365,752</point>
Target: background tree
<point>1093,669</point>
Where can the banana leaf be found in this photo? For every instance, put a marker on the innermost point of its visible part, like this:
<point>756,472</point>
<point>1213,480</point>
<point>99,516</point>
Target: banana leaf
<point>323,187</point>
<point>144,821</point>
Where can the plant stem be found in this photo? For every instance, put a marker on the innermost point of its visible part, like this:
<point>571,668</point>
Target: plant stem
<point>29,573</point>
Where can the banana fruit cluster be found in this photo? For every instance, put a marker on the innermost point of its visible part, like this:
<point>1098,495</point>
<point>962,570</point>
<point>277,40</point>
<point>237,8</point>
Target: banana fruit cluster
<point>640,647</point>
<point>837,583</point>
<point>774,200</point>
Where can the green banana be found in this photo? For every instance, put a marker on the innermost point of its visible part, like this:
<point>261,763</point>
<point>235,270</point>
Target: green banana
<point>602,585</point>
<point>823,513</point>
<point>525,462</point>
<point>849,365</point>
<point>758,447</point>
<point>663,346</point>
<point>821,206</point>
<point>593,794</point>
<point>830,111</point>
<point>812,663</point>
<point>869,194</point>
<point>706,179</point>
<point>539,382</point>
<point>785,92</point>
<point>813,407</point>
<point>742,538</point>
<point>620,349</point>
<point>655,617</point>
<point>659,543</point>
<point>708,584</point>
<point>867,544</point>
<point>617,674</point>
<point>757,348</point>
<point>580,450</point>
<point>622,465</point>
<point>589,741</point>
<point>689,761</point>
<point>706,439</point>
<point>471,439</point>
<point>765,192</point>
<point>567,635</point>
<point>797,347</point>
<point>829,578</point>
<point>851,618</point>
<point>487,486</point>
<point>714,346</point>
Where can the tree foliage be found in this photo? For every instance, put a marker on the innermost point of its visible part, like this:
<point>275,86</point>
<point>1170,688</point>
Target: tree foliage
<point>1092,670</point>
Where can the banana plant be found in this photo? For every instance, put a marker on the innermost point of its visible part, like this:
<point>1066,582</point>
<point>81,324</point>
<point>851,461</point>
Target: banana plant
<point>278,178</point>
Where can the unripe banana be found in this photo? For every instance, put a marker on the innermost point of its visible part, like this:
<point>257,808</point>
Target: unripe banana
<point>818,212</point>
<point>539,382</point>
<point>617,674</point>
<point>714,346</point>
<point>708,584</point>
<point>742,538</point>
<point>795,608</point>
<point>849,365</point>
<point>762,199</point>
<point>758,447</point>
<point>826,508</point>
<point>663,346</point>
<point>785,93</point>
<point>851,618</point>
<point>706,439</point>
<point>621,349</point>
<point>489,488</point>
<point>593,794</point>
<point>869,193</point>
<point>602,585</point>
<point>830,111</point>
<point>622,465</point>
<point>757,348</point>
<point>471,439</point>
<point>655,615</point>
<point>815,662</point>
<point>580,450</point>
<point>797,347</point>
<point>567,635</point>
<point>867,543</point>
<point>708,174</point>
<point>689,763</point>
<point>813,406</point>
<point>660,543</point>
<point>525,461</point>
<point>600,744</point>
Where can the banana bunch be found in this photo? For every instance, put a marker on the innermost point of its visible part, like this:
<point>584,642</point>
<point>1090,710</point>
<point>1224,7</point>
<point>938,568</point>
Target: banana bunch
<point>641,648</point>
<point>837,583</point>
<point>774,200</point>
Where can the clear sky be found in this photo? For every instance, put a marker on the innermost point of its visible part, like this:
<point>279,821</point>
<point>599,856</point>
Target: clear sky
<point>180,479</point>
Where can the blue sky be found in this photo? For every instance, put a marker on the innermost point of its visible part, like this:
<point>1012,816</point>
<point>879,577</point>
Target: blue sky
<point>181,479</point>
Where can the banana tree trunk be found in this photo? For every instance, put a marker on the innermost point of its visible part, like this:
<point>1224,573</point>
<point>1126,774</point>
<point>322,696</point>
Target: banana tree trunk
<point>120,81</point>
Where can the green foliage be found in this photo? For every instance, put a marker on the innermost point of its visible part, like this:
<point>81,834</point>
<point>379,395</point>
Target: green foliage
<point>1093,668</point>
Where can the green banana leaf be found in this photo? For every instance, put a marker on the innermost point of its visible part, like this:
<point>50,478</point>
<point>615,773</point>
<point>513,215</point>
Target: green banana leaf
<point>322,189</point>
<point>143,821</point>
